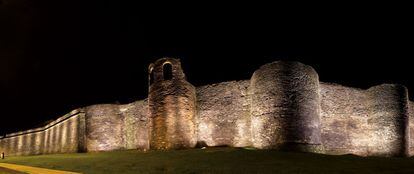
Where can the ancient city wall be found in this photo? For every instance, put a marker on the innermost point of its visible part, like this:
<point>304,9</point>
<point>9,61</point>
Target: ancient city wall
<point>283,106</point>
<point>94,128</point>
<point>104,128</point>
<point>344,119</point>
<point>364,122</point>
<point>172,106</point>
<point>223,114</point>
<point>388,106</point>
<point>136,125</point>
<point>411,127</point>
<point>66,134</point>
<point>116,127</point>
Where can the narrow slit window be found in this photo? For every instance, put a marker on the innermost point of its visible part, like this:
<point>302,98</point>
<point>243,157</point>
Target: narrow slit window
<point>167,71</point>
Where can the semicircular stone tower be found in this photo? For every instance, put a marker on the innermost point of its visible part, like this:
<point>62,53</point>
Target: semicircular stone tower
<point>389,124</point>
<point>285,107</point>
<point>171,106</point>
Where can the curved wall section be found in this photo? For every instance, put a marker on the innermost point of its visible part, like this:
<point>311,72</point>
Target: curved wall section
<point>411,127</point>
<point>172,106</point>
<point>388,106</point>
<point>285,107</point>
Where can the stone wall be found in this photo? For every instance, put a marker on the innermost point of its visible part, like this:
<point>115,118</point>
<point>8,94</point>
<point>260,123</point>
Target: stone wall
<point>372,122</point>
<point>95,128</point>
<point>104,128</point>
<point>411,123</point>
<point>223,114</point>
<point>116,127</point>
<point>344,120</point>
<point>172,106</point>
<point>389,128</point>
<point>283,106</point>
<point>136,125</point>
<point>64,135</point>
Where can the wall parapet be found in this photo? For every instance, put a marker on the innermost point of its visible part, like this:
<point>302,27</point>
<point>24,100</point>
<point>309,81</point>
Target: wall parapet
<point>47,126</point>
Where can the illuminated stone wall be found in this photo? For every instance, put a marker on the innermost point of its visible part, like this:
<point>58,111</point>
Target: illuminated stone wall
<point>372,122</point>
<point>104,128</point>
<point>95,128</point>
<point>223,114</point>
<point>136,125</point>
<point>344,119</point>
<point>283,106</point>
<point>116,127</point>
<point>60,136</point>
<point>411,126</point>
<point>388,106</point>
<point>172,106</point>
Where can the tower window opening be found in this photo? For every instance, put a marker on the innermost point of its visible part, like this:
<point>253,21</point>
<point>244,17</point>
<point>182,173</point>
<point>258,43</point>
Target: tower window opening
<point>167,71</point>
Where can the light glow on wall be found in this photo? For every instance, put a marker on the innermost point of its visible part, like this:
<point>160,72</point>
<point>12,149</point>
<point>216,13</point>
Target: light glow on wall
<point>257,125</point>
<point>205,133</point>
<point>243,133</point>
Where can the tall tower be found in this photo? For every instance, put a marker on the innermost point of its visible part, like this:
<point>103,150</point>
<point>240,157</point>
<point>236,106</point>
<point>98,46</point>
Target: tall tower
<point>171,106</point>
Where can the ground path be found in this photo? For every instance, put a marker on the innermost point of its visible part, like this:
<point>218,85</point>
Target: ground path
<point>33,170</point>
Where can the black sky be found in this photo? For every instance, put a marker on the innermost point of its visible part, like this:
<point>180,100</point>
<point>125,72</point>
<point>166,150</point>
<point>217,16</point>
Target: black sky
<point>56,56</point>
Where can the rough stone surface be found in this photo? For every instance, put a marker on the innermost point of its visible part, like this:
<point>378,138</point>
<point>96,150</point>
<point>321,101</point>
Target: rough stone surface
<point>411,126</point>
<point>344,119</point>
<point>59,136</point>
<point>223,114</point>
<point>104,128</point>
<point>94,128</point>
<point>282,106</point>
<point>172,107</point>
<point>136,125</point>
<point>285,106</point>
<point>371,122</point>
<point>388,106</point>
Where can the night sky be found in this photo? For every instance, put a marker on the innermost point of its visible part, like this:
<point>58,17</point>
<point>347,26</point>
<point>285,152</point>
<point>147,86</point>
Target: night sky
<point>58,56</point>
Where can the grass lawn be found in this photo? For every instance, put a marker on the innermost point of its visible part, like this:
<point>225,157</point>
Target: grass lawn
<point>215,160</point>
